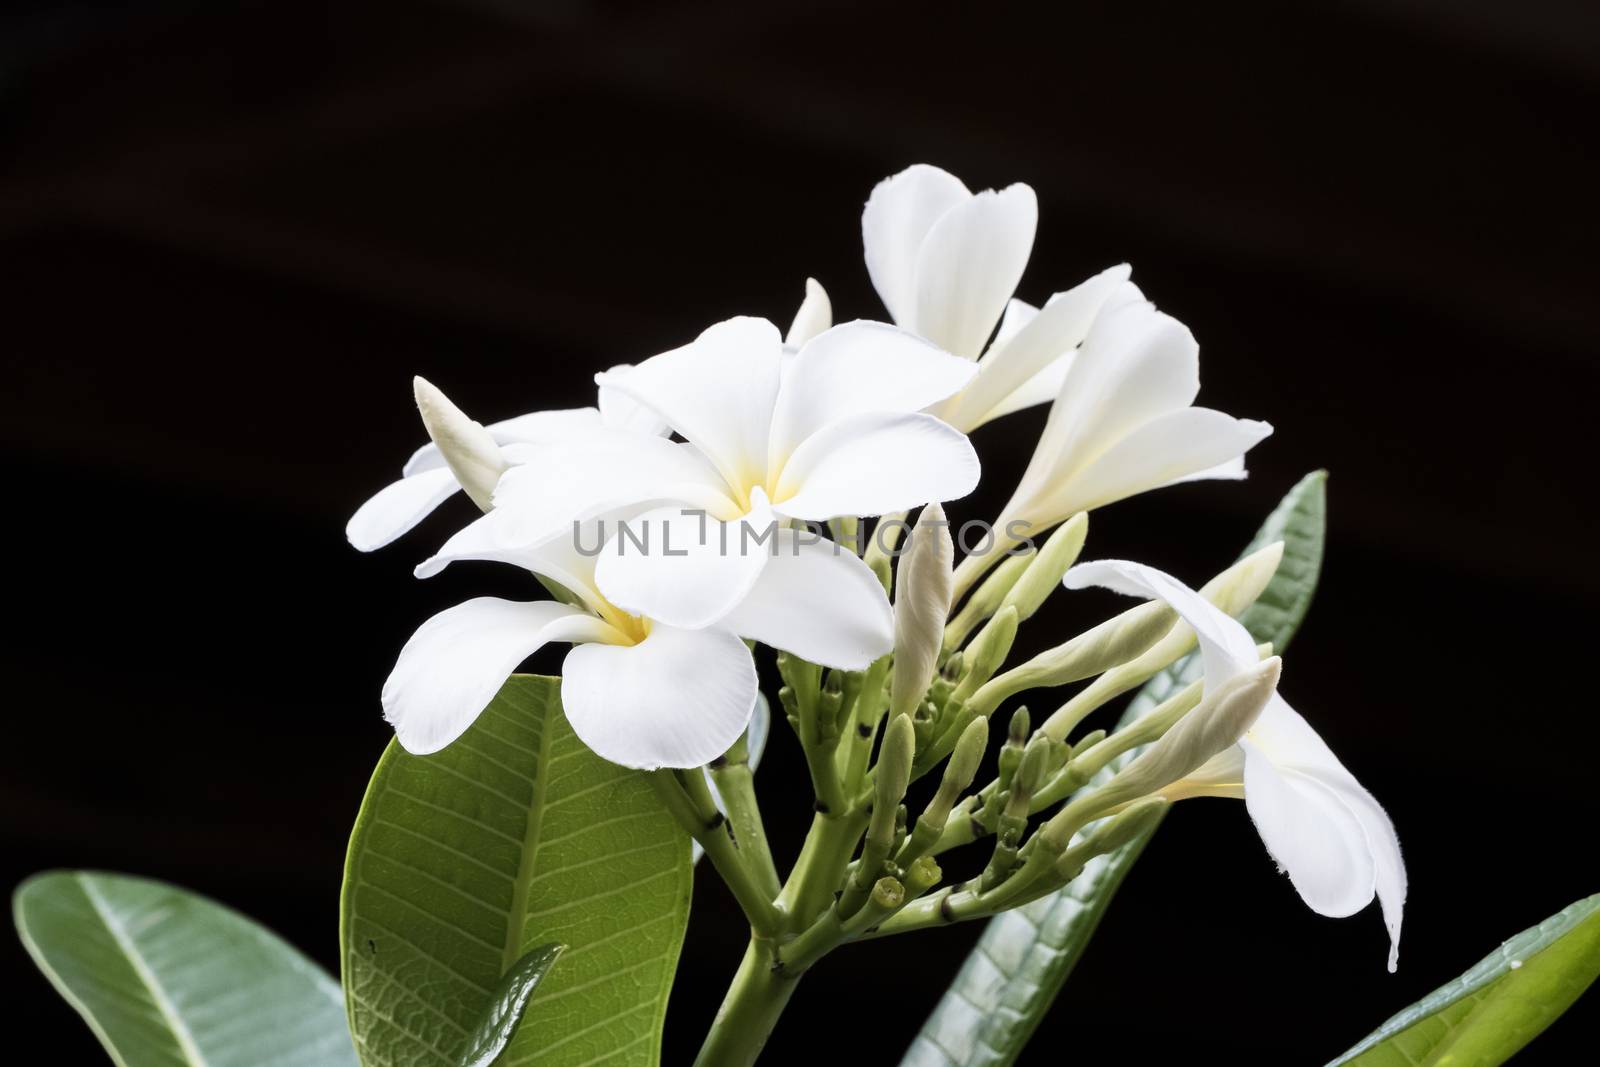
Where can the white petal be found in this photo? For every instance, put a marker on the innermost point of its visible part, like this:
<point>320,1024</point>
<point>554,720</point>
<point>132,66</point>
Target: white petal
<point>874,465</point>
<point>718,392</point>
<point>1165,450</point>
<point>814,316</point>
<point>1312,835</point>
<point>567,558</point>
<point>1042,388</point>
<point>458,660</point>
<point>859,368</point>
<point>543,427</point>
<point>1023,351</point>
<point>1284,737</point>
<point>1226,646</point>
<point>1136,364</point>
<point>551,486</point>
<point>820,602</point>
<point>622,412</point>
<point>899,214</point>
<point>1231,471</point>
<point>679,698</point>
<point>399,506</point>
<point>969,266</point>
<point>682,567</point>
<point>536,426</point>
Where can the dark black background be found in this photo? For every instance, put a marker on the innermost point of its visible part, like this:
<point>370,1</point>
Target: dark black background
<point>230,233</point>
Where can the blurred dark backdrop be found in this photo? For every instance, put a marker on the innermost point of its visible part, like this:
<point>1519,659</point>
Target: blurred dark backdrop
<point>231,232</point>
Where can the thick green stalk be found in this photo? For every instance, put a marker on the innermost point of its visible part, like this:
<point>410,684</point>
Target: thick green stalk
<point>755,1000</point>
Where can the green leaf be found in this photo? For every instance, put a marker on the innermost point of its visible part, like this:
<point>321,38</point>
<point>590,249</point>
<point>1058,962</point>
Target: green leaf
<point>165,977</point>
<point>505,1009</point>
<point>513,836</point>
<point>1024,956</point>
<point>1485,1016</point>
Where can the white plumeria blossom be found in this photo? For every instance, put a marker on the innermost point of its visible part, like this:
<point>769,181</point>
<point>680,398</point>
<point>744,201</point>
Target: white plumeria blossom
<point>637,691</point>
<point>426,480</point>
<point>835,428</point>
<point>1124,422</point>
<point>1322,826</point>
<point>946,261</point>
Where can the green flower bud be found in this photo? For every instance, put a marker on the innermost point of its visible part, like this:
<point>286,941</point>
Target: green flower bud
<point>988,598</point>
<point>1043,574</point>
<point>1113,642</point>
<point>986,653</point>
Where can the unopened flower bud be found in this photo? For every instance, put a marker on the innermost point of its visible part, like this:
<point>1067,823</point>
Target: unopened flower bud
<point>473,456</point>
<point>986,653</point>
<point>921,606</point>
<point>1044,571</point>
<point>1112,643</point>
<point>988,598</point>
<point>1217,723</point>
<point>1133,822</point>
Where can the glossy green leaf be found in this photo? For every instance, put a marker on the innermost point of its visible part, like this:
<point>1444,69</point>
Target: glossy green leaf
<point>513,836</point>
<point>1024,956</point>
<point>1485,1016</point>
<point>510,1000</point>
<point>164,977</point>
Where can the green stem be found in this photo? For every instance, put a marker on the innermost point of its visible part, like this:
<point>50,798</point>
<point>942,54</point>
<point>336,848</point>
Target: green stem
<point>820,869</point>
<point>755,1000</point>
<point>712,833</point>
<point>736,786</point>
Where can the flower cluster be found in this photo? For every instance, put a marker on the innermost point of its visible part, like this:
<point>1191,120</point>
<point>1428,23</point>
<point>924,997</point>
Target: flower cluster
<point>716,498</point>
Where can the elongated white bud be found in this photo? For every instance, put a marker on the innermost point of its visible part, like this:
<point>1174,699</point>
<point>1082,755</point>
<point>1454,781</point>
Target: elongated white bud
<point>815,315</point>
<point>1217,723</point>
<point>472,454</point>
<point>921,605</point>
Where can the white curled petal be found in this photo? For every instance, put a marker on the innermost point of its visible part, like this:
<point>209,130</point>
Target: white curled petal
<point>1042,388</point>
<point>814,316</point>
<point>899,214</point>
<point>1283,736</point>
<point>567,558</point>
<point>874,465</point>
<point>622,412</point>
<point>398,507</point>
<point>551,486</point>
<point>718,392</point>
<point>969,266</point>
<point>1028,345</point>
<point>1225,645</point>
<point>1148,364</point>
<point>855,369</point>
<point>1231,471</point>
<point>544,427</point>
<point>679,698</point>
<point>458,660</point>
<point>1165,450</point>
<point>818,601</point>
<point>682,567</point>
<point>1311,833</point>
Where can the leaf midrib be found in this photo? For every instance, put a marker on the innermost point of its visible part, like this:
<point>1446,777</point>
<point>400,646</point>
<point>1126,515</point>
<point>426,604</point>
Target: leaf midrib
<point>158,994</point>
<point>516,922</point>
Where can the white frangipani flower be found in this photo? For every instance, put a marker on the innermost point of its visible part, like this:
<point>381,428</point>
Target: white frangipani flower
<point>946,261</point>
<point>1123,423</point>
<point>1320,824</point>
<point>637,691</point>
<point>834,429</point>
<point>814,316</point>
<point>428,479</point>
